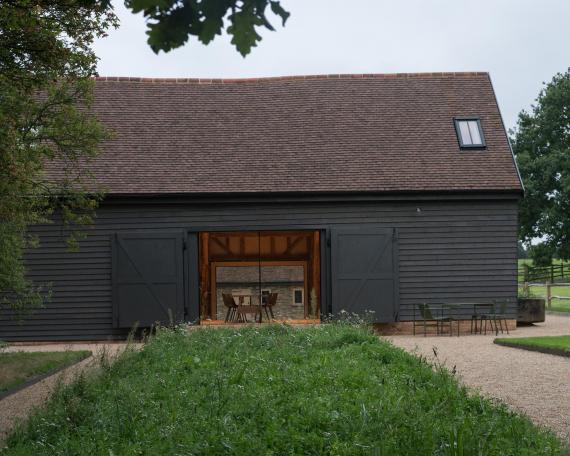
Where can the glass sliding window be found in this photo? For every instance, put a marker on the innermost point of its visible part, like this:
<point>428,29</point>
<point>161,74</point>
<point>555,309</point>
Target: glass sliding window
<point>259,276</point>
<point>283,278</point>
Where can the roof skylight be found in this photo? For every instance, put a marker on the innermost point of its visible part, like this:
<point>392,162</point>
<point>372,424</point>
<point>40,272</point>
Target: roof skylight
<point>469,133</point>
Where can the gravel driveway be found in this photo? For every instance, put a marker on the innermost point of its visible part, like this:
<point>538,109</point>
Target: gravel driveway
<point>533,383</point>
<point>17,406</point>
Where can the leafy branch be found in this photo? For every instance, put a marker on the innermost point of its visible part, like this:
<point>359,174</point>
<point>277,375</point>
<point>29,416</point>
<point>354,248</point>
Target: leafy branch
<point>172,22</point>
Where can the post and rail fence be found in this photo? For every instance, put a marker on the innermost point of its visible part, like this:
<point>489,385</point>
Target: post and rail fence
<point>549,297</point>
<point>545,273</point>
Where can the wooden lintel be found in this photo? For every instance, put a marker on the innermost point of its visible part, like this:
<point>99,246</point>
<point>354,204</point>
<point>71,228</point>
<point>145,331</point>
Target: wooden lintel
<point>225,247</point>
<point>292,244</point>
<point>278,257</point>
<point>272,246</point>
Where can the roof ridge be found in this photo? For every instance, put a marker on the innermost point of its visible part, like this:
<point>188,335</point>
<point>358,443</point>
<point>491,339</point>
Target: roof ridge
<point>290,78</point>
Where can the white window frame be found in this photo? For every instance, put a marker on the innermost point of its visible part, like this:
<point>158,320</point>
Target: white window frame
<point>302,303</point>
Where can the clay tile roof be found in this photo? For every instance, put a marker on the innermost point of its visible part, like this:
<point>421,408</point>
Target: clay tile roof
<point>328,133</point>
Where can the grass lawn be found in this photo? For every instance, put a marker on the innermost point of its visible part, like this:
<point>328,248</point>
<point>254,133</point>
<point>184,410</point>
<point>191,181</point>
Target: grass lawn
<point>558,345</point>
<point>331,389</point>
<point>17,368</point>
<point>523,261</point>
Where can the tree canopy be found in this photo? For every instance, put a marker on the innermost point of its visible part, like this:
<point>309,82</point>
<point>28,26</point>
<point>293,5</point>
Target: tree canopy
<point>541,144</point>
<point>46,62</point>
<point>171,22</point>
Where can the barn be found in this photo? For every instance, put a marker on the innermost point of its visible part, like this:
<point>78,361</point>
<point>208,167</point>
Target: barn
<point>364,193</point>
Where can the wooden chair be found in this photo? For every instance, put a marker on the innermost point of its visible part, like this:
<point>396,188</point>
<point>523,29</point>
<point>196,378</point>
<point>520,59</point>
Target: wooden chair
<point>231,305</point>
<point>268,305</point>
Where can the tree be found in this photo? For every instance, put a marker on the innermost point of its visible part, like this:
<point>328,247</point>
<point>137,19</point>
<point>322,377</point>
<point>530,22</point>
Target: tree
<point>522,252</point>
<point>46,64</point>
<point>541,255</point>
<point>171,22</point>
<point>541,144</point>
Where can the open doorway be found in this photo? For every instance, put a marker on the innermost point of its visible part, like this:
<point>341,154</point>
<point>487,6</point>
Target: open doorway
<point>259,276</point>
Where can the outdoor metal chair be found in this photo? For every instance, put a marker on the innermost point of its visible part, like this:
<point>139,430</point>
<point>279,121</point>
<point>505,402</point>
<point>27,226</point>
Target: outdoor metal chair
<point>500,315</point>
<point>429,320</point>
<point>482,313</point>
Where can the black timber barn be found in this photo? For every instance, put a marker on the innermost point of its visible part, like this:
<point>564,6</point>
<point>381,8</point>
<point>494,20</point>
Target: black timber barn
<point>387,191</point>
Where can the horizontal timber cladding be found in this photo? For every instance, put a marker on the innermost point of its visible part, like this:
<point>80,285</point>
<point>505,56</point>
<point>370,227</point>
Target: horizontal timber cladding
<point>449,250</point>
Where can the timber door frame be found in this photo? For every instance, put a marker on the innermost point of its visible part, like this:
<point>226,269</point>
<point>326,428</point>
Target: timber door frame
<point>192,259</point>
<point>191,276</point>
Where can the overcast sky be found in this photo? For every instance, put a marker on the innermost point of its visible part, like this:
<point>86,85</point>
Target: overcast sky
<point>520,42</point>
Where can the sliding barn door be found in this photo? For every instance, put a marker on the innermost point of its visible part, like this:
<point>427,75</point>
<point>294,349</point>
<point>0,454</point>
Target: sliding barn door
<point>364,272</point>
<point>148,281</point>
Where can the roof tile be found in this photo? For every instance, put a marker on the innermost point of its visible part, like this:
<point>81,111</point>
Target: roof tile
<point>328,133</point>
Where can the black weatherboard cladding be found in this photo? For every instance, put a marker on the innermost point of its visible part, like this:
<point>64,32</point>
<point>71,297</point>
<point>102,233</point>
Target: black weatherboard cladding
<point>449,249</point>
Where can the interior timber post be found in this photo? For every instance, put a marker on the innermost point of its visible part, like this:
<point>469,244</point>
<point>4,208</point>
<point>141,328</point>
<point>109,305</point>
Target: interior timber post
<point>205,298</point>
<point>315,307</point>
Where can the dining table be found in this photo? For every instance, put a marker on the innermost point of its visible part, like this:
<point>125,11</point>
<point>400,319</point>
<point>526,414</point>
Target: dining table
<point>245,303</point>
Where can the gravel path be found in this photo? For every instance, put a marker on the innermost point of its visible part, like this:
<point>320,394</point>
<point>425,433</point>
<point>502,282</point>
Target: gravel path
<point>19,405</point>
<point>534,383</point>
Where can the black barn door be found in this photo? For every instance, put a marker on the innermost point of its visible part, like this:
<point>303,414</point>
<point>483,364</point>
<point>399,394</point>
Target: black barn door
<point>364,272</point>
<point>148,281</point>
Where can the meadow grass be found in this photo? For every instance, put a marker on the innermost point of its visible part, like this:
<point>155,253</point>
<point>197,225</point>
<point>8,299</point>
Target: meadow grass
<point>19,367</point>
<point>333,389</point>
